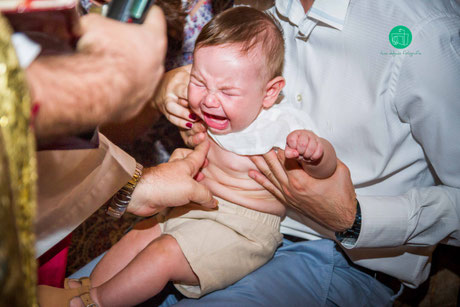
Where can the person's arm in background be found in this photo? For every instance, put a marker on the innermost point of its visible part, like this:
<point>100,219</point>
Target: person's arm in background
<point>426,97</point>
<point>111,77</point>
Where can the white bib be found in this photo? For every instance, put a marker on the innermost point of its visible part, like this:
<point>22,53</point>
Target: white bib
<point>268,130</point>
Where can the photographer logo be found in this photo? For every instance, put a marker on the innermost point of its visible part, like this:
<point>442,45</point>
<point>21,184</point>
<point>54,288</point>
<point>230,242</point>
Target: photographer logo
<point>400,37</point>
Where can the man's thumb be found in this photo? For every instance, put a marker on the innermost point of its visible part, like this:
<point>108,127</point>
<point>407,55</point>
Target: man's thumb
<point>197,158</point>
<point>201,195</point>
<point>156,19</point>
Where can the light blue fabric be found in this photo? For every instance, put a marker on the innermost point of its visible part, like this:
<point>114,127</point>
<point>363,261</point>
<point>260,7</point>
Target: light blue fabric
<point>308,273</point>
<point>87,269</point>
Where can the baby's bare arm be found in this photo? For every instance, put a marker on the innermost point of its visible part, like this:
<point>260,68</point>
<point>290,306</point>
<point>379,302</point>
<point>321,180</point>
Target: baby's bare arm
<point>315,154</point>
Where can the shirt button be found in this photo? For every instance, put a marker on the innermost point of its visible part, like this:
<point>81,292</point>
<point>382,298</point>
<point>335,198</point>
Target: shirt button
<point>299,97</point>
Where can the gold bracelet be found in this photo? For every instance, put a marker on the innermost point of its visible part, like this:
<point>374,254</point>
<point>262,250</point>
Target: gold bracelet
<point>120,201</point>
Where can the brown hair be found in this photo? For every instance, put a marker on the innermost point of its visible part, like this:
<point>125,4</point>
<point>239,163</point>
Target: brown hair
<point>250,28</point>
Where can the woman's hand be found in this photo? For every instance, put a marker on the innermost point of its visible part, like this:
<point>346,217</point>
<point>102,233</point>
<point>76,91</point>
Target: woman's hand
<point>171,97</point>
<point>171,100</point>
<point>194,136</point>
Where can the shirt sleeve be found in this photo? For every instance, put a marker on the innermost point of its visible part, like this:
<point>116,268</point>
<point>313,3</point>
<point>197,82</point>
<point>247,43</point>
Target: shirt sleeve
<point>73,184</point>
<point>427,97</point>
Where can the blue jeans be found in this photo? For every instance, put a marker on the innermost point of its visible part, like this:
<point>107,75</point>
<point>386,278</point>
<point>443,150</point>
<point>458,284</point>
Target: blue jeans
<point>308,273</point>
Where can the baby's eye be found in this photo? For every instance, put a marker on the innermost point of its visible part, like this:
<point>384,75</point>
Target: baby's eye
<point>229,93</point>
<point>196,83</point>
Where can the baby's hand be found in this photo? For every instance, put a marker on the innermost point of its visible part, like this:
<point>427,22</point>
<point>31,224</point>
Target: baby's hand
<point>303,145</point>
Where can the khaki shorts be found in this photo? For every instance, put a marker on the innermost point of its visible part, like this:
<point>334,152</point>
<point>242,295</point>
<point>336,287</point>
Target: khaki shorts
<point>222,245</point>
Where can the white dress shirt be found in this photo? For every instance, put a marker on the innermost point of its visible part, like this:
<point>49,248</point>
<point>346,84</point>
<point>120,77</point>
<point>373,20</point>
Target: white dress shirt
<point>392,115</point>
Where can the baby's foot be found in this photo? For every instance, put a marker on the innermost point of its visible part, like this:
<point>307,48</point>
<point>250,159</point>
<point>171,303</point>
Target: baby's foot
<point>77,283</point>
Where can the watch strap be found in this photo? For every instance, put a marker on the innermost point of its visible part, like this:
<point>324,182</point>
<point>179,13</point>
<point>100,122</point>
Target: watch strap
<point>120,201</point>
<point>349,237</point>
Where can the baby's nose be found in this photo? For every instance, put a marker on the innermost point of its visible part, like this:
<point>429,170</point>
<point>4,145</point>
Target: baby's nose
<point>211,101</point>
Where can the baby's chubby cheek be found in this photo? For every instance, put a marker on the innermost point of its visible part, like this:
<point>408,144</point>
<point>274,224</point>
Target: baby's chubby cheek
<point>196,110</point>
<point>194,103</point>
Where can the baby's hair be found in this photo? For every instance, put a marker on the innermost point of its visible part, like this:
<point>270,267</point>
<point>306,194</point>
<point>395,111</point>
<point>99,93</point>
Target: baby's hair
<point>250,28</point>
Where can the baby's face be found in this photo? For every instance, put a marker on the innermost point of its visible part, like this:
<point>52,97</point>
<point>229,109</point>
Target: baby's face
<point>226,89</point>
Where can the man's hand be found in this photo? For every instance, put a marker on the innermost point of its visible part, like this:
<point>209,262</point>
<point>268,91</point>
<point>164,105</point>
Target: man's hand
<point>172,184</point>
<point>138,50</point>
<point>330,201</point>
<point>111,77</point>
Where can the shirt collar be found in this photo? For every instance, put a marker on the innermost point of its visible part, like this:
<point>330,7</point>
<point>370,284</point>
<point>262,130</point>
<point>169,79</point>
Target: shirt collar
<point>330,12</point>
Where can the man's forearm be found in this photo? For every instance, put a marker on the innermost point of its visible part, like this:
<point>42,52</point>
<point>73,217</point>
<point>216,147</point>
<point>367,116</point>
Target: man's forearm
<point>74,93</point>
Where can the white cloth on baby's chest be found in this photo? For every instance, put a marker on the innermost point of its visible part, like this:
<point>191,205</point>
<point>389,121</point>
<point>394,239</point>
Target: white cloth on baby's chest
<point>270,129</point>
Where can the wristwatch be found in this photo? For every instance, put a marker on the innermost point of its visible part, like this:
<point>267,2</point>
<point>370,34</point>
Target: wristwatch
<point>349,237</point>
<point>120,201</point>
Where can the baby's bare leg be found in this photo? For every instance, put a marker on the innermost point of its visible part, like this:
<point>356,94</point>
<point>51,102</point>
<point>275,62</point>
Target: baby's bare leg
<point>125,250</point>
<point>146,275</point>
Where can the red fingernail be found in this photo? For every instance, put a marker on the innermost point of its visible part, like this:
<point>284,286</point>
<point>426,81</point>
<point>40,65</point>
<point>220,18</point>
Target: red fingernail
<point>33,113</point>
<point>189,125</point>
<point>34,110</point>
<point>192,116</point>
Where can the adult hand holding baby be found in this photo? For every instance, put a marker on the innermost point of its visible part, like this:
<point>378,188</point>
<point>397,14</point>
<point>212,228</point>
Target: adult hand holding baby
<point>330,201</point>
<point>171,100</point>
<point>172,184</point>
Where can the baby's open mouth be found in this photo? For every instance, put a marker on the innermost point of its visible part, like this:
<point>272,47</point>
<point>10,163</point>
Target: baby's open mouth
<point>215,121</point>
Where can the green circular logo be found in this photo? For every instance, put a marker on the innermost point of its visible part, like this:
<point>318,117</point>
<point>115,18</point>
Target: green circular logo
<point>400,37</point>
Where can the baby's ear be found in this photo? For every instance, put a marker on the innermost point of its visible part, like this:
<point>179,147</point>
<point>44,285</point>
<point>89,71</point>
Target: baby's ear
<point>272,90</point>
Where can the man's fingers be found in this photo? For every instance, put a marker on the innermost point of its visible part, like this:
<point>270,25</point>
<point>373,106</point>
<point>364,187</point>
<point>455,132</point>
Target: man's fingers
<point>196,159</point>
<point>201,195</point>
<point>265,170</point>
<point>88,24</point>
<point>263,181</point>
<point>90,20</point>
<point>276,167</point>
<point>179,154</point>
<point>155,19</point>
